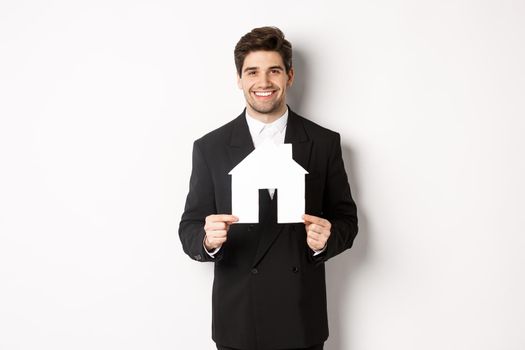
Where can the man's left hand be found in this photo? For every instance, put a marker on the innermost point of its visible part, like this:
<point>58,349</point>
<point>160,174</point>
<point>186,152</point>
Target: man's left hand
<point>317,231</point>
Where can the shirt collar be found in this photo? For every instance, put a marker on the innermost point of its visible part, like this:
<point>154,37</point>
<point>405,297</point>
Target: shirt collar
<point>256,126</point>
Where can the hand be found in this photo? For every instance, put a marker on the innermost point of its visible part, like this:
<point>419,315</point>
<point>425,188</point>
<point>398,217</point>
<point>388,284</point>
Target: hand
<point>317,231</point>
<point>216,228</point>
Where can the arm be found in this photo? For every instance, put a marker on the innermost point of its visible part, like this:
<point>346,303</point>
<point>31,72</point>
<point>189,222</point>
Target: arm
<point>200,203</point>
<point>339,227</point>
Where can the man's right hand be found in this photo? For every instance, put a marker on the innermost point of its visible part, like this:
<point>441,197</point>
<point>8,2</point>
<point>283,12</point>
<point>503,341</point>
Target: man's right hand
<point>216,228</point>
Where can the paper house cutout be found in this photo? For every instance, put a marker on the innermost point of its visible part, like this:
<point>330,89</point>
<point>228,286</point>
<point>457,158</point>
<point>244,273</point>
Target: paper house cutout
<point>269,166</point>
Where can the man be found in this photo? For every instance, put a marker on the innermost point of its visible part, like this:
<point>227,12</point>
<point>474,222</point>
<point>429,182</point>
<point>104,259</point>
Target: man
<point>269,287</point>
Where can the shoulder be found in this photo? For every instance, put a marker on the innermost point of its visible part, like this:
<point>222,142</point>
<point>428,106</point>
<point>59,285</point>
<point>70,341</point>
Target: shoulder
<point>219,136</point>
<point>316,131</point>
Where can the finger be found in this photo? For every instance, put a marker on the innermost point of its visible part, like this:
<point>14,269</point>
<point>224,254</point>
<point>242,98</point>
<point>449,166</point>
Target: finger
<point>218,233</point>
<point>319,237</point>
<point>215,226</point>
<point>214,245</point>
<point>316,228</point>
<point>216,237</point>
<point>217,240</point>
<point>319,242</point>
<point>313,235</point>
<point>315,219</point>
<point>314,244</point>
<point>322,231</point>
<point>310,226</point>
<point>222,218</point>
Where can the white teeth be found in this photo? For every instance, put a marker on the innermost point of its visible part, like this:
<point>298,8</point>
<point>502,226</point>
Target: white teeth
<point>263,94</point>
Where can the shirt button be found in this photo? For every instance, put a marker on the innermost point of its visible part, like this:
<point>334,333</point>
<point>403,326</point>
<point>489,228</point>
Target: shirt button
<point>295,269</point>
<point>255,271</point>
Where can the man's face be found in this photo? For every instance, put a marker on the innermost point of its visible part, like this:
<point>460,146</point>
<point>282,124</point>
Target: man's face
<point>264,82</point>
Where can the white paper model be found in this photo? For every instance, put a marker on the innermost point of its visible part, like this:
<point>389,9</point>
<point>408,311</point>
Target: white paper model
<point>268,166</point>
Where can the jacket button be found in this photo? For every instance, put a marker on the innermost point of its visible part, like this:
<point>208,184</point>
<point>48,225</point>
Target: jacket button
<point>254,271</point>
<point>295,269</point>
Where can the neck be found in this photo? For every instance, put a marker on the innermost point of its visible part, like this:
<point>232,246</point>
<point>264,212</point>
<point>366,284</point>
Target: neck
<point>266,118</point>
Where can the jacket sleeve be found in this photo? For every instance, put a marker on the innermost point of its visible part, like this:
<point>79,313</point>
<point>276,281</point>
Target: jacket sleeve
<point>200,203</point>
<point>338,206</point>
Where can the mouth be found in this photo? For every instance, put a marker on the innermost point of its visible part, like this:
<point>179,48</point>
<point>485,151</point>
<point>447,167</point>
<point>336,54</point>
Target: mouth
<point>264,95</point>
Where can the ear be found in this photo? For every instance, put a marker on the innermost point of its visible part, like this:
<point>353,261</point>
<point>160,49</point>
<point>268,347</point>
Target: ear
<point>239,82</point>
<point>291,76</point>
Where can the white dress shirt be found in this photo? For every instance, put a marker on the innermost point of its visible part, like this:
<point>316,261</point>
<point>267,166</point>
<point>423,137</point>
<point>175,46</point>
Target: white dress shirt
<point>261,132</point>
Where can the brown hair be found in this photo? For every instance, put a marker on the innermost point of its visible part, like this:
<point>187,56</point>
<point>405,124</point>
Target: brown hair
<point>263,39</point>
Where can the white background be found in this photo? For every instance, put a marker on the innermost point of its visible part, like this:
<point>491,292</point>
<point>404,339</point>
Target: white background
<point>100,102</point>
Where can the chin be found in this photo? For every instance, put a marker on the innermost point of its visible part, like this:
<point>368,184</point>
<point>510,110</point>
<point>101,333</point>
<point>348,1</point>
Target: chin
<point>266,109</point>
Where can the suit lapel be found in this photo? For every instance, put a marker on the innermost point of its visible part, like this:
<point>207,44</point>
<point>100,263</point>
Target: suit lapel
<point>301,147</point>
<point>241,143</point>
<point>296,135</point>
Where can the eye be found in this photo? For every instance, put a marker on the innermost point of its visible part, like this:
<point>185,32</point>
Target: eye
<point>275,71</point>
<point>252,72</point>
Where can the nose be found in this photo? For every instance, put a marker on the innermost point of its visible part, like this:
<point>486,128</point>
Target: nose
<point>264,81</point>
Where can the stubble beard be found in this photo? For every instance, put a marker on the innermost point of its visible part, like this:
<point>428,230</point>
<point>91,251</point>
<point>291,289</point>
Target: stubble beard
<point>263,108</point>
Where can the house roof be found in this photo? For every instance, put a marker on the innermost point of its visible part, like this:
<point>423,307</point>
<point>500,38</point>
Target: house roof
<point>269,159</point>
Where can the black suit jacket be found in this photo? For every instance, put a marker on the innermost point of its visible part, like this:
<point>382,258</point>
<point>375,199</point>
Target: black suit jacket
<point>269,290</point>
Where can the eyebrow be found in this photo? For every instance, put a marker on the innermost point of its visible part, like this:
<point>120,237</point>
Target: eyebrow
<point>256,68</point>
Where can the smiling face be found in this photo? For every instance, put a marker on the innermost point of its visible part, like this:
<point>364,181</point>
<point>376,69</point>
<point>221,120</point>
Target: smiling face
<point>264,82</point>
